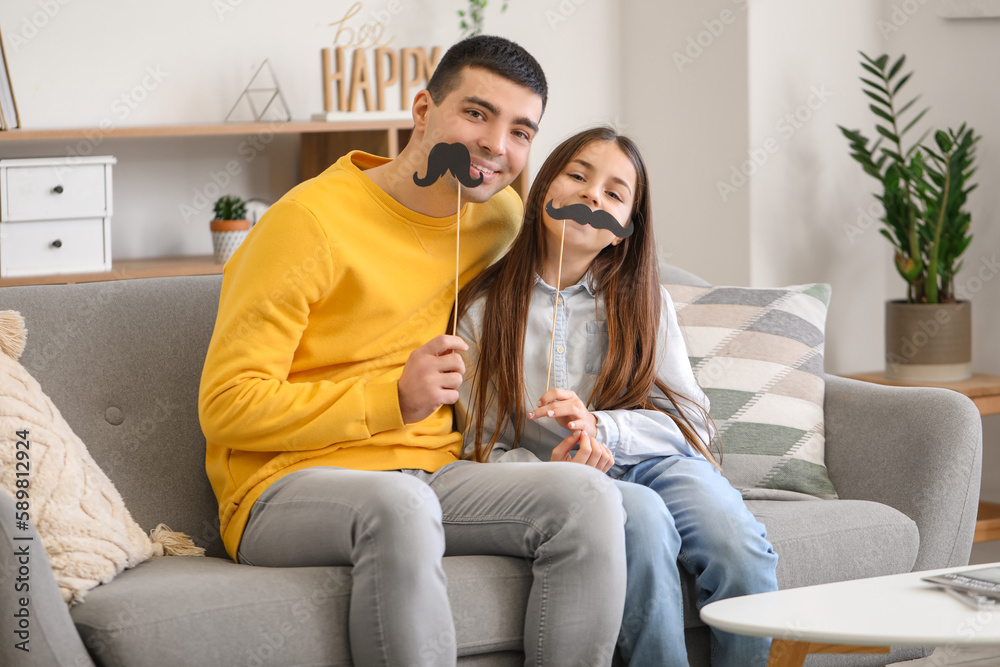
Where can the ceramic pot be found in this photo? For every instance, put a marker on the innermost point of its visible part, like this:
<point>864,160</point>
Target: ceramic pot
<point>928,342</point>
<point>227,235</point>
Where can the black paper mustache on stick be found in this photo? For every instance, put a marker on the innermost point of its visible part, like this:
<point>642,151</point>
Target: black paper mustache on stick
<point>581,213</point>
<point>448,157</point>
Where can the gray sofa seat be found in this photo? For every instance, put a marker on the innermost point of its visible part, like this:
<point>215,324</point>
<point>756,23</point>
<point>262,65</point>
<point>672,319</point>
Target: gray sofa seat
<point>226,613</point>
<point>122,361</point>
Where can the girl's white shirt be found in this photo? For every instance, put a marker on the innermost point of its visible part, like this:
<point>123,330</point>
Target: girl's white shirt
<point>580,347</point>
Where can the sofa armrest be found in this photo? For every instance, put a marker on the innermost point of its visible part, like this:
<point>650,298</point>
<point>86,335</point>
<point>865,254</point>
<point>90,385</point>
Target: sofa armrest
<point>52,637</point>
<point>916,449</point>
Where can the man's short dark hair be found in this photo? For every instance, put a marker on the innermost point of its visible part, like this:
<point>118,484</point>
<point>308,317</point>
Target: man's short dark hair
<point>495,54</point>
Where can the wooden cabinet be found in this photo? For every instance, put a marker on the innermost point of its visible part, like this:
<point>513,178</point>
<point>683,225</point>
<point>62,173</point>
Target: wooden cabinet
<point>55,216</point>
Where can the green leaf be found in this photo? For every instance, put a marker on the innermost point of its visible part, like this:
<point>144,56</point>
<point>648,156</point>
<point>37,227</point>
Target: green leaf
<point>895,68</point>
<point>866,57</point>
<point>917,145</point>
<point>882,60</point>
<point>907,105</point>
<point>893,154</point>
<point>943,141</point>
<point>887,134</point>
<point>886,234</point>
<point>899,84</point>
<point>875,85</point>
<point>881,114</point>
<point>881,100</point>
<point>914,121</point>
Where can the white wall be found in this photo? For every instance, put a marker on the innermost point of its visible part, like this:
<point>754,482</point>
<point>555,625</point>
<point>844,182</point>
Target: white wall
<point>806,193</point>
<point>685,102</point>
<point>805,200</point>
<point>187,61</point>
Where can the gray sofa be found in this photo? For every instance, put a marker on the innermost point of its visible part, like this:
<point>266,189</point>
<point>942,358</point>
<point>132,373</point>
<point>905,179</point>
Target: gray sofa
<point>122,362</point>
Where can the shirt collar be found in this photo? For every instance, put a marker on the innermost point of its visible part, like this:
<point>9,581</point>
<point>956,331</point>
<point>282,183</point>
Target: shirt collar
<point>585,284</point>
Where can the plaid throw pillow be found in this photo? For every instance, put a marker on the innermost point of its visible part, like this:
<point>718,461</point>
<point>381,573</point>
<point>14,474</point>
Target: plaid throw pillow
<point>758,354</point>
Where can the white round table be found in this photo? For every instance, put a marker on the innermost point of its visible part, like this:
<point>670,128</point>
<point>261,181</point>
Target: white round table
<point>847,616</point>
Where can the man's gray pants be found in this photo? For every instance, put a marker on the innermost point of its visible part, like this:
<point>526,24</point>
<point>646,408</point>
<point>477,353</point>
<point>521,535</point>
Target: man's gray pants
<point>393,529</point>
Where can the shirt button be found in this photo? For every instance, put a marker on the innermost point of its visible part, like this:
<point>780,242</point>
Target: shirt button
<point>560,349</point>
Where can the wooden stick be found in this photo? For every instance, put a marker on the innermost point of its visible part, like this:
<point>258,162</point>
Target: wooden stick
<point>458,236</point>
<point>555,308</point>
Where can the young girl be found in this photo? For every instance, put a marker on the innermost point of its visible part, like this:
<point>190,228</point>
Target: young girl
<point>622,394</point>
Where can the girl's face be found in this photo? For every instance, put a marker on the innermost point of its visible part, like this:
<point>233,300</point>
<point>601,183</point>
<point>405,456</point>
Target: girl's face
<point>600,176</point>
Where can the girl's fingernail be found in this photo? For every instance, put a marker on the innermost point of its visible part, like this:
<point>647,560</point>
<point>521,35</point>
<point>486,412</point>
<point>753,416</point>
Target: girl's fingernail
<point>538,404</point>
<point>551,414</point>
<point>531,415</point>
<point>572,426</point>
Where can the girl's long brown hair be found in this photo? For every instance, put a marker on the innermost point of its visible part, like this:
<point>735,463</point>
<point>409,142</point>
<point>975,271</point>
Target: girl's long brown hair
<point>627,277</point>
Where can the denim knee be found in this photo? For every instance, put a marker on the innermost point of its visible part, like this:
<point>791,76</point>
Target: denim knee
<point>647,520</point>
<point>404,518</point>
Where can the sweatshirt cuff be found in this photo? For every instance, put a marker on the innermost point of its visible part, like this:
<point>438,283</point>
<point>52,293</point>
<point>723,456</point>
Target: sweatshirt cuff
<point>382,407</point>
<point>607,430</point>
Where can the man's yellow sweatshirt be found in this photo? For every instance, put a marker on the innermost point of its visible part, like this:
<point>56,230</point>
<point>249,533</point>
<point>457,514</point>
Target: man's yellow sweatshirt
<point>321,306</point>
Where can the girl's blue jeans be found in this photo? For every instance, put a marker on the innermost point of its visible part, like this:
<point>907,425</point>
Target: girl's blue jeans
<point>698,521</point>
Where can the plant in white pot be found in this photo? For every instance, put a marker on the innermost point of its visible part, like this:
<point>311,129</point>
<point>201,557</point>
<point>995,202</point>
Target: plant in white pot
<point>924,190</point>
<point>229,228</point>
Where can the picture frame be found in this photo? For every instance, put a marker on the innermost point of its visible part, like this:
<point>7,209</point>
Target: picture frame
<point>9,118</point>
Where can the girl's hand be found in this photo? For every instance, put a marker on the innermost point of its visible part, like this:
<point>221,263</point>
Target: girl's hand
<point>566,408</point>
<point>591,452</point>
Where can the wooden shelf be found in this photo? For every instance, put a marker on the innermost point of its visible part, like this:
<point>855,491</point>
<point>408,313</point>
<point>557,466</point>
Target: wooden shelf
<point>988,522</point>
<point>321,143</point>
<point>127,269</point>
<point>211,129</point>
<point>983,389</point>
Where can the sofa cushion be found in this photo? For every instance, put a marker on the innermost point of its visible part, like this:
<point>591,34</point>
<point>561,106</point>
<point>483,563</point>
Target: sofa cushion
<point>821,541</point>
<point>758,354</point>
<point>122,359</point>
<point>209,611</point>
<point>88,533</point>
<point>852,539</point>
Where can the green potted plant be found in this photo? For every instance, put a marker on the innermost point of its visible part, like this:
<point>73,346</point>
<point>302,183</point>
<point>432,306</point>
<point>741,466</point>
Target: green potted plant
<point>470,20</point>
<point>229,228</point>
<point>924,193</point>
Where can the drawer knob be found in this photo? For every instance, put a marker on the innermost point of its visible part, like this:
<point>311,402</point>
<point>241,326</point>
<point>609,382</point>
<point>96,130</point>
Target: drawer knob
<point>58,189</point>
<point>57,243</point>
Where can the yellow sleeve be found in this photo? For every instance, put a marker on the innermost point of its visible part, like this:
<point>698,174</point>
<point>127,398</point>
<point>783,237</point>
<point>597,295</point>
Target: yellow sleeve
<point>245,400</point>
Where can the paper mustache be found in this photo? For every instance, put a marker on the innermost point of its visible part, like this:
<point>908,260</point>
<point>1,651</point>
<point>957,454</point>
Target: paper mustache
<point>448,157</point>
<point>581,213</point>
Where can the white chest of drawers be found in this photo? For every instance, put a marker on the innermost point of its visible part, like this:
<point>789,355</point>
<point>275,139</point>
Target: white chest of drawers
<point>55,215</point>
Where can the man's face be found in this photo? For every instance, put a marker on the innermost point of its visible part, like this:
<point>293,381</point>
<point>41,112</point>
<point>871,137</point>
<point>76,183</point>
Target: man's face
<point>495,118</point>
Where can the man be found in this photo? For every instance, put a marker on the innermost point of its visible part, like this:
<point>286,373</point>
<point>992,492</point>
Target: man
<point>327,390</point>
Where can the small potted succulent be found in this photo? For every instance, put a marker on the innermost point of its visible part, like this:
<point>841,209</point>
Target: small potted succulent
<point>229,228</point>
<point>924,193</point>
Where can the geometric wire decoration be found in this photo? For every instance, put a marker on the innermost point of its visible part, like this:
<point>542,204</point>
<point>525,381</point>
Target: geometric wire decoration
<point>261,93</point>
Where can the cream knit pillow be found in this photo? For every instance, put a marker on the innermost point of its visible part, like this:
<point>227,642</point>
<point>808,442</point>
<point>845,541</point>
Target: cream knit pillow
<point>88,534</point>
